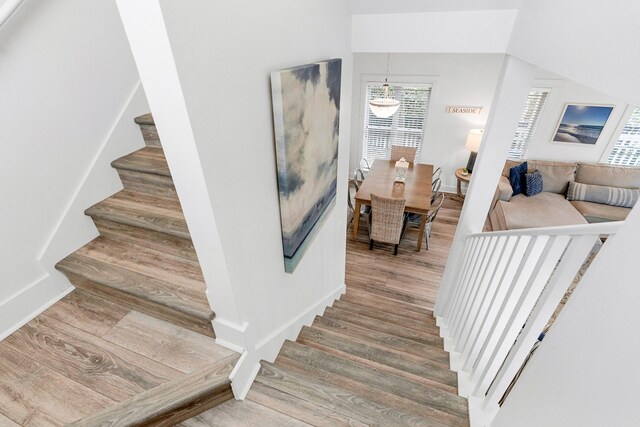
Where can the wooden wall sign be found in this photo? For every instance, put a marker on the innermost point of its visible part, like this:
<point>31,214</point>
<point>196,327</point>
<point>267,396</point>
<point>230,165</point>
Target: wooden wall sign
<point>464,110</point>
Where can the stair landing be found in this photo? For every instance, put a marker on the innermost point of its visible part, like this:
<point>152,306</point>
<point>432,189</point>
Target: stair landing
<point>86,354</point>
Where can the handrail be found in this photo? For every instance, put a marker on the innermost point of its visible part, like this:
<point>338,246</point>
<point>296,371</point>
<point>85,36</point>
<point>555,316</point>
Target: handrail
<point>564,230</point>
<point>8,8</point>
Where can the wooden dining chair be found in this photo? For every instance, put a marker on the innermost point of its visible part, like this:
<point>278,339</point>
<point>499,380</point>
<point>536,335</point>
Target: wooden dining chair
<point>400,151</point>
<point>387,221</point>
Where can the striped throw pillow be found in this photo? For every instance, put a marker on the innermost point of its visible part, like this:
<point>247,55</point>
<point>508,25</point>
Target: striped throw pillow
<point>614,196</point>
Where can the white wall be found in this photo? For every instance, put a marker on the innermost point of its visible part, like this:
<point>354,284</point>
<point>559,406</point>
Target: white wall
<point>411,6</point>
<point>471,31</point>
<point>458,79</point>
<point>592,42</point>
<point>567,91</point>
<point>224,52</point>
<point>66,75</point>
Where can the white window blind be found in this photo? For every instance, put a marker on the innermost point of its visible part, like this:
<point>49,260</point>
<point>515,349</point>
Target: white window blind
<point>528,123</point>
<point>626,152</point>
<point>405,127</point>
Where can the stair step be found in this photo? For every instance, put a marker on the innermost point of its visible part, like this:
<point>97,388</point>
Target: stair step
<point>429,373</point>
<point>387,328</point>
<point>145,119</point>
<point>349,404</point>
<point>149,160</point>
<point>359,297</point>
<point>156,185</point>
<point>172,402</point>
<point>114,278</point>
<point>392,294</point>
<point>142,210</point>
<point>390,342</point>
<point>423,325</point>
<point>442,402</point>
<point>303,410</point>
<point>166,243</point>
<point>183,273</point>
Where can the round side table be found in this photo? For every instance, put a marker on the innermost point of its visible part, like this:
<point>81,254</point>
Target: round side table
<point>462,178</point>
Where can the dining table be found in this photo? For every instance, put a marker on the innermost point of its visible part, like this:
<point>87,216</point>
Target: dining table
<point>416,190</point>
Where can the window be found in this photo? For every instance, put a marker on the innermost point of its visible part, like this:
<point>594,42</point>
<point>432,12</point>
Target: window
<point>405,127</point>
<point>528,123</point>
<point>626,152</point>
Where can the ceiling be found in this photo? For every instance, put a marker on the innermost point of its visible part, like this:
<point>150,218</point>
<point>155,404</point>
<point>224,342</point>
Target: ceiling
<point>416,6</point>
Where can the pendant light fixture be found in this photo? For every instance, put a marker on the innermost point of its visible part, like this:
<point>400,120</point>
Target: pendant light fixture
<point>386,106</point>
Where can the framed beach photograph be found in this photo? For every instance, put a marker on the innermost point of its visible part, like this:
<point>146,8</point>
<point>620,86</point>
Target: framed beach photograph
<point>306,110</point>
<point>582,123</point>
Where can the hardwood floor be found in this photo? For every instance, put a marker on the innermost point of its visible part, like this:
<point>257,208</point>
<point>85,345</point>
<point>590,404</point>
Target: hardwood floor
<point>85,354</point>
<point>374,358</point>
<point>416,274</point>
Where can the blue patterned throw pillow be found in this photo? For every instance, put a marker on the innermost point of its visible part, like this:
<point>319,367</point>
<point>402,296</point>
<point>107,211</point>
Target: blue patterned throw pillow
<point>533,183</point>
<point>516,178</point>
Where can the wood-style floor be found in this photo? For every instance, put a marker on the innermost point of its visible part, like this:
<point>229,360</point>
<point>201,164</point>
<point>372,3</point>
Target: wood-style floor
<point>374,358</point>
<point>85,354</point>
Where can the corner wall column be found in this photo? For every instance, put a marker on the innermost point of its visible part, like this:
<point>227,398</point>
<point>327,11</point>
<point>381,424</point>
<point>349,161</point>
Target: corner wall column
<point>511,93</point>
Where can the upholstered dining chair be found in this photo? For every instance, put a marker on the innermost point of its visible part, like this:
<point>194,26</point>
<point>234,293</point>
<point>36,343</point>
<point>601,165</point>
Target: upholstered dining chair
<point>387,221</point>
<point>364,166</point>
<point>358,176</point>
<point>413,220</point>
<point>400,151</point>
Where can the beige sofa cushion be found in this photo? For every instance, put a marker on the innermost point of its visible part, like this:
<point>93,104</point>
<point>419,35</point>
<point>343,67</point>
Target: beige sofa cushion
<point>542,210</point>
<point>607,175</point>
<point>597,212</point>
<point>556,176</point>
<point>504,189</point>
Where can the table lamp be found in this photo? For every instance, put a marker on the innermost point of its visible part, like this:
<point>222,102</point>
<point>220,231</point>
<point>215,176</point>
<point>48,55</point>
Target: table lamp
<point>473,144</point>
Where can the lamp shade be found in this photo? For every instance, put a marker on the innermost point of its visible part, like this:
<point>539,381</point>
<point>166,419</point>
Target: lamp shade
<point>473,140</point>
<point>384,107</point>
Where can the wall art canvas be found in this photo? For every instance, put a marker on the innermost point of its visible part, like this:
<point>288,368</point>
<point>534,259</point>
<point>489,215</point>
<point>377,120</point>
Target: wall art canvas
<point>582,124</point>
<point>306,115</point>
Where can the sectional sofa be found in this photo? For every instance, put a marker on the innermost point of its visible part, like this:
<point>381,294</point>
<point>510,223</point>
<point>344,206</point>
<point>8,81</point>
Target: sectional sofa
<point>551,207</point>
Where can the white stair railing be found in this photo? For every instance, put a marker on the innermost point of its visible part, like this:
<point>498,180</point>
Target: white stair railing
<point>508,285</point>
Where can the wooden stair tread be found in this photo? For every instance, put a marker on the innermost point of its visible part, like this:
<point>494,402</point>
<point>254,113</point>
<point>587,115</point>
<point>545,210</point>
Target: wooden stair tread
<point>171,402</point>
<point>148,160</point>
<point>142,210</point>
<point>380,326</point>
<point>435,373</point>
<point>400,320</point>
<point>383,340</point>
<point>336,399</point>
<point>413,311</point>
<point>145,119</point>
<point>393,294</point>
<point>371,377</point>
<point>296,407</point>
<point>146,261</point>
<point>185,300</point>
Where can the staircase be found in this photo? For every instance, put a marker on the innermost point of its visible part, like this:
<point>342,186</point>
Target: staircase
<point>368,360</point>
<point>144,261</point>
<point>144,258</point>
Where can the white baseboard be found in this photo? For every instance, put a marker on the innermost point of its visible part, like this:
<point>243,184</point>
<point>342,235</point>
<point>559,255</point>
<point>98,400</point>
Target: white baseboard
<point>22,307</point>
<point>268,348</point>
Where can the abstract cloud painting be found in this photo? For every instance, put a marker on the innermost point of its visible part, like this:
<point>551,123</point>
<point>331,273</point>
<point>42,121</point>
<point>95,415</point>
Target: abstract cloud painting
<point>306,110</point>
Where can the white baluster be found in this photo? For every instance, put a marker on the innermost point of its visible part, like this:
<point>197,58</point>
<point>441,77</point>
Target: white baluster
<point>576,253</point>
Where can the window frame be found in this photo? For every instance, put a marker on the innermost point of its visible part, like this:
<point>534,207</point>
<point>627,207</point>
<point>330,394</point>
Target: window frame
<point>624,119</point>
<point>393,79</point>
<point>536,88</point>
